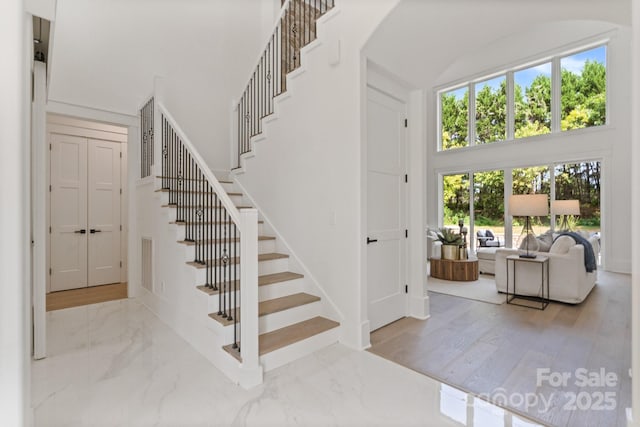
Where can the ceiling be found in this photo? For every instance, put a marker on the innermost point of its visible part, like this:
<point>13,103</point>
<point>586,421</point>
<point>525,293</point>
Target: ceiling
<point>422,40</point>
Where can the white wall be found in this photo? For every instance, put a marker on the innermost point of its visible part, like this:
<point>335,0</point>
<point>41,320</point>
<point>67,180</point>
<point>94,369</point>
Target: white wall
<point>14,292</point>
<point>106,54</point>
<point>305,176</point>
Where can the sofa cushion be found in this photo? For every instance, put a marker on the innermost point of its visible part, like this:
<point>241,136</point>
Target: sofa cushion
<point>562,245</point>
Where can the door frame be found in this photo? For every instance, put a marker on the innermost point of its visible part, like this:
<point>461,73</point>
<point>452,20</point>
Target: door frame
<point>66,125</point>
<point>380,79</point>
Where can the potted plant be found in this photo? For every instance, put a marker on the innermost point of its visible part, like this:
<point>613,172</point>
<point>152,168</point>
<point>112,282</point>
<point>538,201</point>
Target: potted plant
<point>451,241</point>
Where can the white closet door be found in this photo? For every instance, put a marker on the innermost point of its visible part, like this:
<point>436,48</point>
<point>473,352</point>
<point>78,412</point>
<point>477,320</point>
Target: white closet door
<point>68,212</point>
<point>104,212</point>
<point>386,209</point>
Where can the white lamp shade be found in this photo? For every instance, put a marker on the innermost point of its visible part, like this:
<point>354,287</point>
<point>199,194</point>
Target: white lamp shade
<point>529,205</point>
<point>565,207</point>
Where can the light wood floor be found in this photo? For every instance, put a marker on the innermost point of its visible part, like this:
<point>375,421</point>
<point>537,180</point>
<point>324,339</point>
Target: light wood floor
<point>85,296</point>
<point>481,347</point>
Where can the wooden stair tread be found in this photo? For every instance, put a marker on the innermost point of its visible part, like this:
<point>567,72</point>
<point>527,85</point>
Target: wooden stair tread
<point>271,306</point>
<point>204,222</point>
<point>166,190</point>
<point>291,334</point>
<point>237,239</point>
<point>205,207</point>
<point>271,256</point>
<point>234,260</point>
<point>264,280</point>
<point>192,179</point>
<point>288,335</point>
<point>285,303</point>
<point>270,279</point>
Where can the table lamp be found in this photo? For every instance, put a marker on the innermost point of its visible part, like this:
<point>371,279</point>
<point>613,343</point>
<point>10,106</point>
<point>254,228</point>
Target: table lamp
<point>565,208</point>
<point>528,205</point>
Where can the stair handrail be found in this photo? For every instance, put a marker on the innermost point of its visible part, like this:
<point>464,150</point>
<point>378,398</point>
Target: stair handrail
<point>231,208</point>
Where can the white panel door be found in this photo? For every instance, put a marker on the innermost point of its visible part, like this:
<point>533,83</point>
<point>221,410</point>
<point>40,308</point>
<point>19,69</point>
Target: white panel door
<point>68,212</point>
<point>386,209</point>
<point>104,212</point>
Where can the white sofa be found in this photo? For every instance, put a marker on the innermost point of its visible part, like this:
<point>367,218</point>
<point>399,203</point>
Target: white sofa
<point>568,278</point>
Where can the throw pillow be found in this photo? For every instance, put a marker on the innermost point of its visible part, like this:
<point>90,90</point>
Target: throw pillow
<point>562,245</point>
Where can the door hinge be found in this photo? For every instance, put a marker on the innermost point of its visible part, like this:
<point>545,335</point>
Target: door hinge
<point>406,233</point>
<point>50,187</point>
<point>50,272</point>
<point>121,154</point>
<point>120,264</point>
<point>406,289</point>
<point>49,230</point>
<point>49,147</point>
<point>121,191</point>
<point>406,178</point>
<point>406,123</point>
<point>120,227</point>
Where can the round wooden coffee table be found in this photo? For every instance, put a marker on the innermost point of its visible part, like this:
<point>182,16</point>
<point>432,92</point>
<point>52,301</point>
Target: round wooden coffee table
<point>462,270</point>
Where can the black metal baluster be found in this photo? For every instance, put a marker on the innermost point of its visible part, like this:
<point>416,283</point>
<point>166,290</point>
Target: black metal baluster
<point>235,286</point>
<point>211,245</point>
<point>216,253</point>
<point>227,260</point>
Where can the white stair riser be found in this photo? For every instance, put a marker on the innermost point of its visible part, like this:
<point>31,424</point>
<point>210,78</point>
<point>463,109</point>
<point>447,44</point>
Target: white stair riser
<point>226,332</point>
<point>272,321</point>
<point>264,247</point>
<point>264,267</point>
<point>295,351</point>
<point>214,301</point>
<point>235,199</point>
<point>228,187</point>
<point>180,229</point>
<point>278,320</point>
<point>273,266</point>
<point>266,292</point>
<point>280,289</point>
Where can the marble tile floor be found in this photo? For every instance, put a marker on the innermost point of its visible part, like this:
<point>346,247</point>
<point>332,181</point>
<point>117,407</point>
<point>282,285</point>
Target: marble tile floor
<point>117,364</point>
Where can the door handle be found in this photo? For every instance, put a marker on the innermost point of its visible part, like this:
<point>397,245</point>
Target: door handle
<point>94,231</point>
<point>83,231</point>
<point>371,240</point>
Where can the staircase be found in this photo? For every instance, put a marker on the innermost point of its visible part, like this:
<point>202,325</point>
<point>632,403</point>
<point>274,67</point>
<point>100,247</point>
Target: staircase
<point>291,316</point>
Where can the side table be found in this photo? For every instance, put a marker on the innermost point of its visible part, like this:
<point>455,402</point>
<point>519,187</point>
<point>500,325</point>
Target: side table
<point>543,298</point>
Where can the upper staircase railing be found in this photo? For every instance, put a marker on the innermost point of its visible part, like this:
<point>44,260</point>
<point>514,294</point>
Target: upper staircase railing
<point>224,237</point>
<point>296,28</point>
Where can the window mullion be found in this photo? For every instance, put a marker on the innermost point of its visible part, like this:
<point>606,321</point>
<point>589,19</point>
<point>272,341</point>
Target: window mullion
<point>471,134</point>
<point>556,95</point>
<point>511,107</point>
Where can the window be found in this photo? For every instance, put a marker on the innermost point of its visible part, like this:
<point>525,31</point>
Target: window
<point>455,195</point>
<point>454,110</point>
<point>532,96</point>
<point>580,181</point>
<point>491,110</point>
<point>584,89</point>
<point>519,103</point>
<point>534,180</point>
<point>488,203</point>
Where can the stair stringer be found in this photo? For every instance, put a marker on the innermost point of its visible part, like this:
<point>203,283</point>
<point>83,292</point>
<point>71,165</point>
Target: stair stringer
<point>310,283</point>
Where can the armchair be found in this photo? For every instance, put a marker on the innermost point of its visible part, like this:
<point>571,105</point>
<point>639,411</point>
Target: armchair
<point>486,239</point>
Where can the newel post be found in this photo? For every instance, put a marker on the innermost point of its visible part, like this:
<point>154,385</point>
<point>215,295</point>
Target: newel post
<point>251,371</point>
